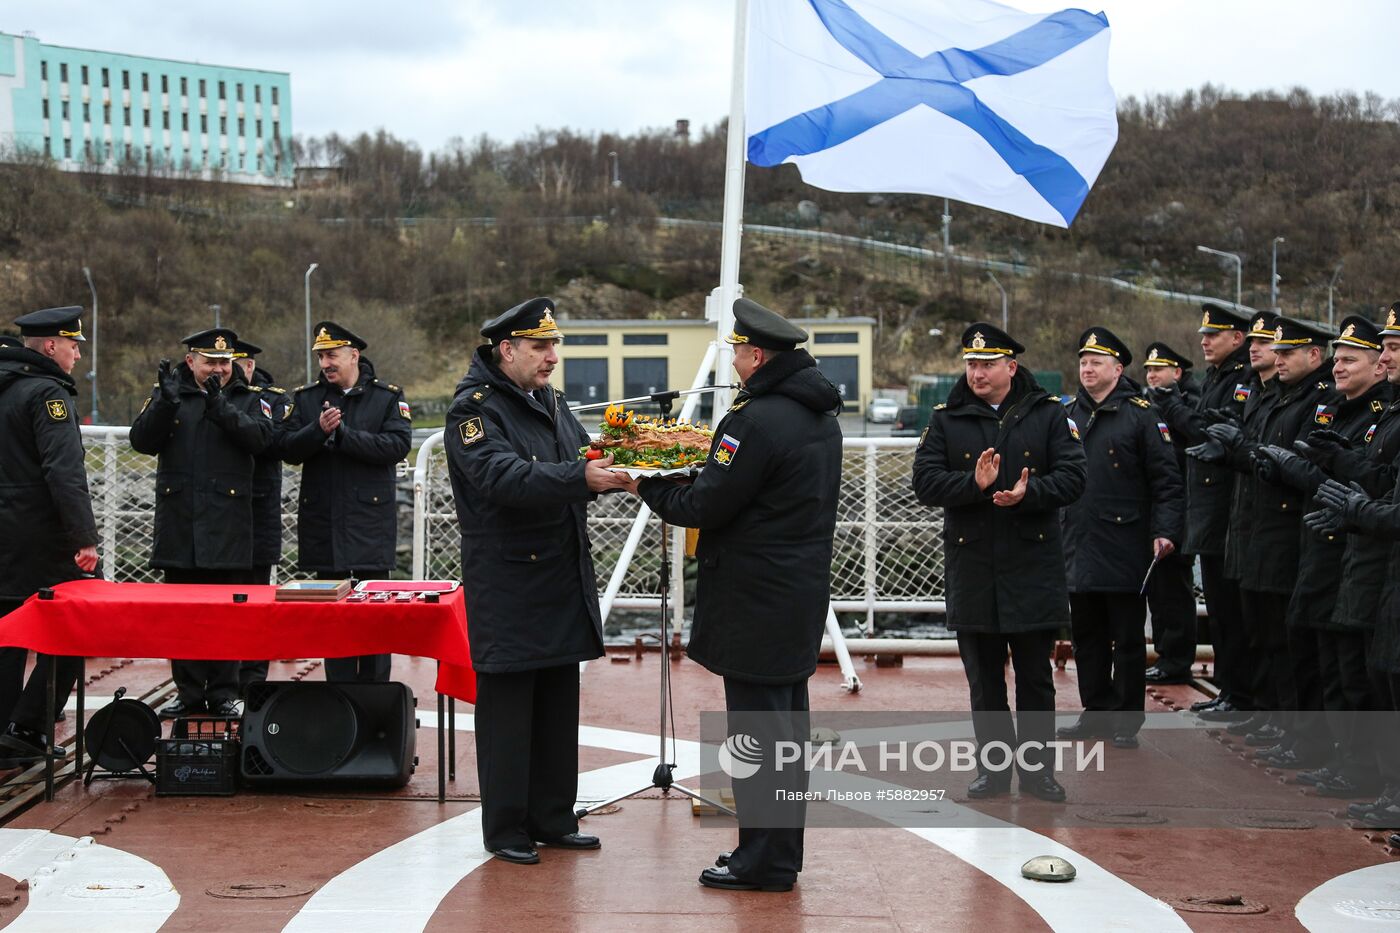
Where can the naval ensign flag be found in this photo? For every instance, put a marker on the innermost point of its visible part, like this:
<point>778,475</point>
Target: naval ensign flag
<point>964,99</point>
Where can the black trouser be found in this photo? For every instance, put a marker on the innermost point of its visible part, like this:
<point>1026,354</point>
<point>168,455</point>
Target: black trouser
<point>1385,687</point>
<point>204,684</point>
<point>1348,699</point>
<point>360,668</point>
<point>1308,734</point>
<point>1228,635</point>
<point>527,755</point>
<point>1267,633</point>
<point>254,672</point>
<point>984,661</point>
<point>769,854</point>
<point>1109,653</point>
<point>27,707</point>
<point>1171,601</point>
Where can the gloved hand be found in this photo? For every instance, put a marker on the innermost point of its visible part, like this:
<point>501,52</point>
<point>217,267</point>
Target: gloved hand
<point>1227,433</point>
<point>1321,456</point>
<point>1348,499</point>
<point>1324,522</point>
<point>1209,452</point>
<point>1265,466</point>
<point>168,381</point>
<point>1160,393</point>
<point>1287,467</point>
<point>1328,439</point>
<point>1221,416</point>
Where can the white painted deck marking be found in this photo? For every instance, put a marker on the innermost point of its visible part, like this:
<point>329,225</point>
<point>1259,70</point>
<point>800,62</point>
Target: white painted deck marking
<point>400,887</point>
<point>1365,899</point>
<point>75,884</point>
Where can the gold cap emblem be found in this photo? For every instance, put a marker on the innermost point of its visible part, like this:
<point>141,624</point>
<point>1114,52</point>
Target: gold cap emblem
<point>978,341</point>
<point>1350,331</point>
<point>1091,340</point>
<point>1205,319</point>
<point>323,334</point>
<point>1278,332</point>
<point>220,343</point>
<point>1390,319</point>
<point>1259,324</point>
<point>1153,354</point>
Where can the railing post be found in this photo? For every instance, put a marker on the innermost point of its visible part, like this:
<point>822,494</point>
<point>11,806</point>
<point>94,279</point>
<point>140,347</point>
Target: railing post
<point>422,470</point>
<point>872,552</point>
<point>110,499</point>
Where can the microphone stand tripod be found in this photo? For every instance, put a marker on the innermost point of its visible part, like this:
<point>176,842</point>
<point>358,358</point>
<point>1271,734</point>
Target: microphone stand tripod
<point>662,778</point>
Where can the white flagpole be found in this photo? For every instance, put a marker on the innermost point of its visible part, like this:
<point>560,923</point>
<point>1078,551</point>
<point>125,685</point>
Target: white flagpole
<point>732,226</point>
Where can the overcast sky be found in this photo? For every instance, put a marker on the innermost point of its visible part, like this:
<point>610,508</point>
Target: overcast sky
<point>428,70</point>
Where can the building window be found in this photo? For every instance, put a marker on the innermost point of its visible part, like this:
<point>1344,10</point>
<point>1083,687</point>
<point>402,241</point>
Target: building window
<point>44,108</point>
<point>276,130</point>
<point>644,340</point>
<point>43,71</point>
<point>643,376</point>
<point>107,150</point>
<point>48,145</point>
<point>68,148</point>
<point>223,125</point>
<point>87,112</point>
<point>105,80</point>
<point>587,340</point>
<point>145,81</point>
<point>240,126</point>
<point>257,93</point>
<point>221,91</point>
<point>107,114</point>
<point>126,80</point>
<point>145,118</point>
<point>85,74</point>
<point>185,122</point>
<point>204,123</point>
<point>184,87</point>
<point>165,120</point>
<point>201,87</point>
<point>87,149</point>
<point>837,337</point>
<point>165,84</point>
<point>126,116</point>
<point>63,71</point>
<point>274,97</point>
<point>238,90</point>
<point>257,128</point>
<point>63,109</point>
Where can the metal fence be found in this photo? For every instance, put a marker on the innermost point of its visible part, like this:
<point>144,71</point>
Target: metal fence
<point>888,552</point>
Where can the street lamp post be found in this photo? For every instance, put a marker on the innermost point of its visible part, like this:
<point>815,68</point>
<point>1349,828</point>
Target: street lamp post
<point>616,179</point>
<point>1273,278</point>
<point>1239,267</point>
<point>92,348</point>
<point>309,269</point>
<point>1331,286</point>
<point>1003,298</point>
<point>216,309</point>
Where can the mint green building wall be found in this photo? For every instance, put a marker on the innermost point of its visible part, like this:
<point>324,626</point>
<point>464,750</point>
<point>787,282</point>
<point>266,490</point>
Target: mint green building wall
<point>149,110</point>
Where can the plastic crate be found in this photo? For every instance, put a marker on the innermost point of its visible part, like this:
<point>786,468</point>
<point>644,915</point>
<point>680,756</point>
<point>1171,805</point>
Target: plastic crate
<point>200,759</point>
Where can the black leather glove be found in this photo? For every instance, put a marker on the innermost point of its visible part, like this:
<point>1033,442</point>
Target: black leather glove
<point>1209,452</point>
<point>1344,499</point>
<point>1325,522</point>
<point>1329,439</point>
<point>1227,433</point>
<point>1265,466</point>
<point>1221,416</point>
<point>1318,455</point>
<point>168,381</point>
<point>1287,466</point>
<point>1160,393</point>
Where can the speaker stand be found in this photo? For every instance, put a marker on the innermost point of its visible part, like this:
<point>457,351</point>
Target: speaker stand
<point>662,778</point>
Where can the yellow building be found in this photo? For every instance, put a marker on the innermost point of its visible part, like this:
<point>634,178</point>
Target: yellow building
<point>622,359</point>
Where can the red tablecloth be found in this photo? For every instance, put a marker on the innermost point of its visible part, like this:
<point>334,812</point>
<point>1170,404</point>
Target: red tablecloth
<point>95,618</point>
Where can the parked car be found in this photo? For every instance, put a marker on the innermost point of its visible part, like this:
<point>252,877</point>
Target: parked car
<point>908,422</point>
<point>881,410</point>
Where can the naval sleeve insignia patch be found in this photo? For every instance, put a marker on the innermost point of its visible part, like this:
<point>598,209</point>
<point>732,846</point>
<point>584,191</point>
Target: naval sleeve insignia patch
<point>726,451</point>
<point>1073,429</point>
<point>57,410</point>
<point>472,431</point>
<point>405,411</point>
<point>287,413</point>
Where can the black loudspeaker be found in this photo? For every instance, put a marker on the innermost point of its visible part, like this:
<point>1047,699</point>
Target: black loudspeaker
<point>346,735</point>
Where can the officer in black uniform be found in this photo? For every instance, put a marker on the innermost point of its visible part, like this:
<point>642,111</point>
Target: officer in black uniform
<point>267,489</point>
<point>522,497</point>
<point>1171,590</point>
<point>348,430</point>
<point>206,425</point>
<point>765,506</point>
<point>1227,385</point>
<point>1271,555</point>
<point>47,531</point>
<point>1001,459</point>
<point>1131,514</point>
<point>1369,596</point>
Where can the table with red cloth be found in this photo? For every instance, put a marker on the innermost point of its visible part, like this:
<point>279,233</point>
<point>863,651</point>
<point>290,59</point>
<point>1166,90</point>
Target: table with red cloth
<point>97,618</point>
<point>100,619</point>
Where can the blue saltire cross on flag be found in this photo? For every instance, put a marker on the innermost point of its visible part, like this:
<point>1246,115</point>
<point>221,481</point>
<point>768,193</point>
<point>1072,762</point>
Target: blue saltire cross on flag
<point>965,99</point>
